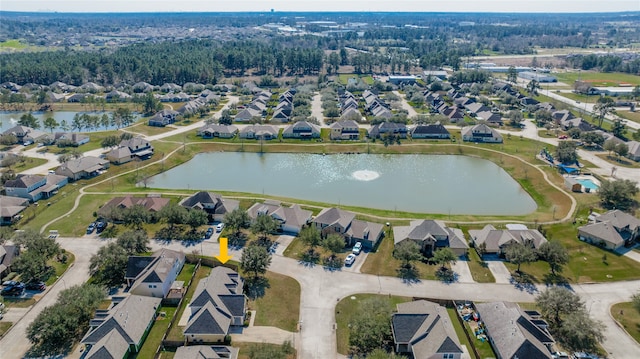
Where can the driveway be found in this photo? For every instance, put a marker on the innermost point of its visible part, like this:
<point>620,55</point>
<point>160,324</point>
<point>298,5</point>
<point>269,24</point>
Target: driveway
<point>461,268</point>
<point>316,109</point>
<point>411,112</point>
<point>355,267</point>
<point>499,271</point>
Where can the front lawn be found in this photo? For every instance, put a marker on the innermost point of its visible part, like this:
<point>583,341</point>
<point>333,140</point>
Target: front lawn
<point>60,267</point>
<point>383,263</point>
<point>280,305</point>
<point>245,347</point>
<point>29,162</point>
<point>479,271</point>
<point>628,317</point>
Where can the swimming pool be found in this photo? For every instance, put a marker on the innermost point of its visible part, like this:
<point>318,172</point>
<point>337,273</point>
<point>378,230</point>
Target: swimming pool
<point>587,183</point>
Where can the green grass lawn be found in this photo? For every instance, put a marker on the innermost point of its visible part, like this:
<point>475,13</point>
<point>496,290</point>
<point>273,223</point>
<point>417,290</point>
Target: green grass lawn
<point>244,349</point>
<point>60,267</point>
<point>10,302</point>
<point>280,306</point>
<point>159,328</point>
<point>480,273</point>
<point>4,327</point>
<point>580,97</point>
<point>628,317</point>
<point>599,78</point>
<point>631,116</point>
<point>14,44</point>
<point>344,315</point>
<point>76,223</point>
<point>144,129</point>
<point>619,161</point>
<point>29,162</point>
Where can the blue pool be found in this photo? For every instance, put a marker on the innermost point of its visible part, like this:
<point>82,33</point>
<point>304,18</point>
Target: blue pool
<point>587,183</point>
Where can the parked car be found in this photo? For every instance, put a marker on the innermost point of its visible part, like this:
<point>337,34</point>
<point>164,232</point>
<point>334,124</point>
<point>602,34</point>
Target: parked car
<point>13,291</point>
<point>560,355</point>
<point>357,248</point>
<point>219,227</point>
<point>351,258</point>
<point>90,228</point>
<point>209,233</point>
<point>40,286</point>
<point>9,283</point>
<point>100,226</point>
<point>583,355</point>
<point>562,137</point>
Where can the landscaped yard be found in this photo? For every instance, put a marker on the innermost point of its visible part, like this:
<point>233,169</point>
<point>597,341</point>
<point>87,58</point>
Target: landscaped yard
<point>176,331</point>
<point>628,317</point>
<point>479,271</point>
<point>60,267</point>
<point>4,327</point>
<point>280,305</point>
<point>245,347</point>
<point>632,116</point>
<point>348,306</point>
<point>159,328</point>
<point>28,163</point>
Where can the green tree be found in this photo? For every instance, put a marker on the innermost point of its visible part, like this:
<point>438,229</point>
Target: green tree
<point>255,259</point>
<point>236,220</point>
<point>532,87</point>
<point>444,257</point>
<point>592,138</point>
<point>264,225</point>
<point>557,302</point>
<point>134,241</point>
<point>519,254</point>
<point>554,253</point>
<point>135,216</point>
<point>225,117</point>
<point>609,146</point>
<point>512,74</point>
<point>32,263</point>
<point>29,120</point>
<point>310,236</point>
<point>618,128</point>
<point>110,141</point>
<point>370,326</point>
<point>566,152</point>
<point>174,214</point>
<point>618,194</point>
<point>515,118</point>
<point>603,107</point>
<point>151,104</point>
<point>196,218</point>
<point>334,243</point>
<point>50,123</point>
<point>407,252</point>
<point>621,149</point>
<point>578,332</point>
<point>108,266</point>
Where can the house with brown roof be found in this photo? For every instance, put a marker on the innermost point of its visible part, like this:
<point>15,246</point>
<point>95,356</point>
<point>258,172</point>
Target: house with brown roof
<point>83,167</point>
<point>515,333</point>
<point>423,329</point>
<point>206,352</point>
<point>10,208</point>
<point>212,203</point>
<point>290,219</point>
<point>611,230</point>
<point>153,276</point>
<point>121,330</point>
<point>495,240</point>
<point>335,220</point>
<point>150,203</point>
<point>218,306</point>
<point>431,235</point>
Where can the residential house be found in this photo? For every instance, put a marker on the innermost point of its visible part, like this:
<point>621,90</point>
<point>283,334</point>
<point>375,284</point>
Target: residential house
<point>529,101</point>
<point>216,130</point>
<point>212,203</point>
<point>481,133</point>
<point>453,113</point>
<point>290,219</point>
<point>135,147</point>
<point>611,230</point>
<point>430,131</point>
<point>35,187</point>
<point>562,115</point>
<point>476,107</point>
<point>121,330</point>
<point>192,107</point>
<point>351,113</point>
<point>302,130</point>
<point>8,253</point>
<point>163,118</point>
<point>91,87</point>
<point>574,122</point>
<point>259,132</point>
<point>634,150</point>
<point>170,87</point>
<point>153,276</point>
<point>175,97</point>
<point>77,139</point>
<point>10,208</point>
<point>344,130</point>
<point>83,167</point>
<point>440,74</point>
<point>395,128</point>
<point>77,97</point>
<point>335,220</point>
<point>206,352</point>
<point>142,87</point>
<point>247,114</point>
<point>217,307</point>
<point>423,329</point>
<point>25,134</point>
<point>490,117</point>
<point>495,240</point>
<point>432,235</point>
<point>116,95</point>
<point>150,203</point>
<point>515,333</point>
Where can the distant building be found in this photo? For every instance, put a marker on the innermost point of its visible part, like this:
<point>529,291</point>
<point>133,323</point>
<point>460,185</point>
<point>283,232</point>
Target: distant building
<point>407,80</point>
<point>540,77</point>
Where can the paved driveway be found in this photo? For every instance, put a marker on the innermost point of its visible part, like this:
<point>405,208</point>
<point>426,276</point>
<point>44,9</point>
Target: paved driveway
<point>499,271</point>
<point>461,268</point>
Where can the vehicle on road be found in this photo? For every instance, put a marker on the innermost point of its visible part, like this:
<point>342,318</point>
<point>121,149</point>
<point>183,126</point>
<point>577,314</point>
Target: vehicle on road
<point>39,286</point>
<point>91,228</point>
<point>209,233</point>
<point>219,227</point>
<point>357,248</point>
<point>351,258</point>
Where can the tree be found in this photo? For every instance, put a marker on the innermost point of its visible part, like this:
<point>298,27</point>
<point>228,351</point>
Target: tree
<point>255,259</point>
<point>174,214</point>
<point>29,120</point>
<point>108,266</point>
<point>621,149</point>
<point>610,146</point>
<point>578,332</point>
<point>407,251</point>
<point>591,138</point>
<point>225,117</point>
<point>370,326</point>
<point>32,263</point>
<point>50,123</point>
<point>519,253</point>
<point>515,118</point>
<point>557,302</point>
<point>310,236</point>
<point>618,194</point>
<point>512,74</point>
<point>236,220</point>
<point>134,241</point>
<point>555,254</point>
<point>543,117</point>
<point>334,243</point>
<point>444,257</point>
<point>566,152</point>
<point>135,216</point>
<point>196,218</point>
<point>264,225</point>
<point>151,104</point>
<point>618,128</point>
<point>65,157</point>
<point>8,139</point>
<point>603,107</point>
<point>532,87</point>
<point>110,141</point>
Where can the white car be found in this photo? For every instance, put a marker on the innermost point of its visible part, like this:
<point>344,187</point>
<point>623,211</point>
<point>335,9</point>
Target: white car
<point>219,227</point>
<point>350,259</point>
<point>357,248</point>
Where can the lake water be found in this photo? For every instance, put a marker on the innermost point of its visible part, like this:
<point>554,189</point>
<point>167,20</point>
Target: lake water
<point>415,183</point>
<point>10,119</point>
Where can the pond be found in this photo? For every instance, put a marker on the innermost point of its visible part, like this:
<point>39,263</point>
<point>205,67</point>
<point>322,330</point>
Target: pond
<point>415,183</point>
<point>10,119</point>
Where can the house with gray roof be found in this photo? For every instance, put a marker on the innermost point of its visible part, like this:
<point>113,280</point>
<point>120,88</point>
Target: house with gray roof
<point>481,133</point>
<point>83,167</point>
<point>206,352</point>
<point>218,305</point>
<point>77,139</point>
<point>163,118</point>
<point>576,122</point>
<point>335,220</point>
<point>514,333</point>
<point>423,329</point>
<point>35,187</point>
<point>259,132</point>
<point>10,208</point>
<point>25,134</point>
<point>387,127</point>
<point>8,253</point>
<point>121,330</point>
<point>212,203</point>
<point>153,276</point>
<point>344,130</point>
<point>135,147</point>
<point>216,130</point>
<point>495,240</point>
<point>634,150</point>
<point>431,235</point>
<point>301,130</point>
<point>429,131</point>
<point>611,230</point>
<point>351,113</point>
<point>290,219</point>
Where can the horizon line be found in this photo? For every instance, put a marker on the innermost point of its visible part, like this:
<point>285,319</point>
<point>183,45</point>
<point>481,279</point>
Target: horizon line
<point>318,12</point>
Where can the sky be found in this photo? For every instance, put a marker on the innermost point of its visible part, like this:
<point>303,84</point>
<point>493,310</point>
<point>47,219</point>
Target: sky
<point>322,5</point>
